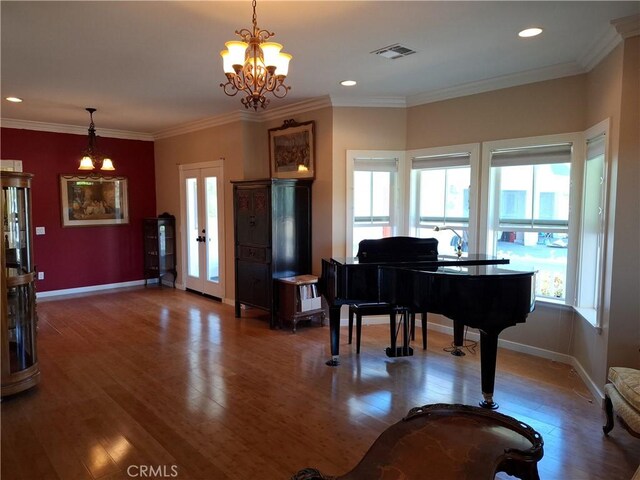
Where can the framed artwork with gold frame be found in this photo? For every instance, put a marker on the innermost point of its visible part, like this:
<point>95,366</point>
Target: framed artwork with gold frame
<point>91,200</point>
<point>292,150</point>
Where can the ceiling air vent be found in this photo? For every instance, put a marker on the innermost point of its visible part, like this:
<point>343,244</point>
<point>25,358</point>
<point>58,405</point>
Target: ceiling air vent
<point>394,51</point>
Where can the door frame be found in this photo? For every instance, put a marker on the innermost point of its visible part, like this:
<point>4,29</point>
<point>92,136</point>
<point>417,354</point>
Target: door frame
<point>182,169</point>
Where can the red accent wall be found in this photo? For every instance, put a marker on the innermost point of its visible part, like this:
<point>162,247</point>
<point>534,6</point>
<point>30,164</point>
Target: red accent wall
<point>74,257</point>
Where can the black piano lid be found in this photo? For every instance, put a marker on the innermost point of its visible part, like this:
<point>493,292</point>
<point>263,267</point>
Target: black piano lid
<point>477,258</point>
<point>465,270</point>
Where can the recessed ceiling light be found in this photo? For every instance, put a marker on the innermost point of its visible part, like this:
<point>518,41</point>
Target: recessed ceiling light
<point>348,83</point>
<point>14,99</point>
<point>530,32</point>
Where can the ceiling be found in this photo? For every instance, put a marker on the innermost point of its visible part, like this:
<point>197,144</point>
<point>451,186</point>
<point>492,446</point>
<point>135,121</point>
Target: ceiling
<point>153,66</point>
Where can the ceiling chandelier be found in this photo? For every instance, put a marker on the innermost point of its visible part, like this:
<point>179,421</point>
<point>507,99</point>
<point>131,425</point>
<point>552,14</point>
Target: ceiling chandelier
<point>255,67</point>
<point>91,157</point>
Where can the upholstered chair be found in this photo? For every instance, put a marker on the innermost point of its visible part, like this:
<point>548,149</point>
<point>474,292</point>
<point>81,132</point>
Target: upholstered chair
<point>622,397</point>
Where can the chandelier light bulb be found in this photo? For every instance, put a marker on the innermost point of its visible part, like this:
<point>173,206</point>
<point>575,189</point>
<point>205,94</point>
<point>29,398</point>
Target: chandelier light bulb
<point>107,164</point>
<point>86,164</point>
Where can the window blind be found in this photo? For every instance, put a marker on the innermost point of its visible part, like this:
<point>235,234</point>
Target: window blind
<point>441,161</point>
<point>375,164</point>
<point>539,155</point>
<point>595,146</point>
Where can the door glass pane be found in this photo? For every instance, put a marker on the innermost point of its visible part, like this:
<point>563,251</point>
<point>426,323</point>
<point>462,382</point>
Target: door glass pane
<point>213,261</point>
<point>192,228</point>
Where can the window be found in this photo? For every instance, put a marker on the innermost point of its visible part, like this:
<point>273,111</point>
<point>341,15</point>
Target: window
<point>593,225</point>
<point>374,197</point>
<point>441,191</point>
<point>528,215</point>
<point>541,202</point>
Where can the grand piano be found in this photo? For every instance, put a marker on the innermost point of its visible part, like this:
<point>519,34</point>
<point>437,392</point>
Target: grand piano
<point>405,271</point>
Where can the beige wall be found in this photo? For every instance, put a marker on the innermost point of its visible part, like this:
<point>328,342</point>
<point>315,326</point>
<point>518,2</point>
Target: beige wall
<point>603,101</point>
<point>228,142</point>
<point>569,104</point>
<point>244,147</point>
<point>613,93</point>
<point>359,129</point>
<point>543,108</point>
<point>623,347</point>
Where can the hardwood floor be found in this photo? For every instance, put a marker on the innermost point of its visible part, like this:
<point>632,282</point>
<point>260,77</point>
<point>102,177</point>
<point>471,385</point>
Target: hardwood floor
<point>164,379</point>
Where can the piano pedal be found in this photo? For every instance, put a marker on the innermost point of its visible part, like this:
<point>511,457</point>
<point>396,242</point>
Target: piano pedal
<point>399,352</point>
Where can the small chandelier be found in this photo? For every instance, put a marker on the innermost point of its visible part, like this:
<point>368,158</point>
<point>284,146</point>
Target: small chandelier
<point>254,66</point>
<point>91,157</point>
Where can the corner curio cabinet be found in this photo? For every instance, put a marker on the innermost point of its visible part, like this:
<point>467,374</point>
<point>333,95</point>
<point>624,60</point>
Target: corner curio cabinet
<point>160,248</point>
<point>20,369</point>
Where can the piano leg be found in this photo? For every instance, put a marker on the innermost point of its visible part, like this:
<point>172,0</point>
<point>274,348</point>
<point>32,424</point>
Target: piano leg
<point>334,335</point>
<point>458,339</point>
<point>488,354</point>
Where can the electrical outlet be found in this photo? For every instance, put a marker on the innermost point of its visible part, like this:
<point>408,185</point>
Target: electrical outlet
<point>40,275</point>
<point>40,230</point>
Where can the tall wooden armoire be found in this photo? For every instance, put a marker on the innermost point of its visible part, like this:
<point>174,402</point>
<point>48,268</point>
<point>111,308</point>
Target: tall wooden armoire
<point>272,220</point>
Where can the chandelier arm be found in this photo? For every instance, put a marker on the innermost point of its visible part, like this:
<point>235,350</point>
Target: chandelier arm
<point>263,35</point>
<point>240,81</point>
<point>281,90</point>
<point>232,90</point>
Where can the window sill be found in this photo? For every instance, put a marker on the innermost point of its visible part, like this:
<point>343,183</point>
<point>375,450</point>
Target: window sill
<point>553,304</point>
<point>590,315</point>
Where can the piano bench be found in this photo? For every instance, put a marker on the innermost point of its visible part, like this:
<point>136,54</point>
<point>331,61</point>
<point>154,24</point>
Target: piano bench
<point>361,309</point>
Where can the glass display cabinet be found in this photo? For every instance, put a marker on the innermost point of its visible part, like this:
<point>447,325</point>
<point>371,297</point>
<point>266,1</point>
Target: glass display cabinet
<point>160,248</point>
<point>19,359</point>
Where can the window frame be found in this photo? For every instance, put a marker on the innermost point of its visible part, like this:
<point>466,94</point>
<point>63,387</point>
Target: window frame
<point>595,314</point>
<point>488,211</point>
<point>437,158</point>
<point>481,206</point>
<point>396,192</point>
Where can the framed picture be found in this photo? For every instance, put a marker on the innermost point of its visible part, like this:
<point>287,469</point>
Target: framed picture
<point>93,200</point>
<point>292,150</point>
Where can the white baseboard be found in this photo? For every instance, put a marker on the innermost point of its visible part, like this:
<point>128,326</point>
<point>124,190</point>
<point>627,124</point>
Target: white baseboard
<point>92,288</point>
<point>509,345</point>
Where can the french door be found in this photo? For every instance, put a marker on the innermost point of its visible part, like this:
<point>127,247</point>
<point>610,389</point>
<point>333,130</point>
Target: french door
<point>203,233</point>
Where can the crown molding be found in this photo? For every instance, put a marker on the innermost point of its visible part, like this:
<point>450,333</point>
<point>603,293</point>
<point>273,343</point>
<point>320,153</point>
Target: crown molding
<point>218,120</point>
<point>596,52</point>
<point>245,116</point>
<point>368,102</point>
<point>497,83</point>
<point>295,108</point>
<point>72,129</point>
<point>627,26</point>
